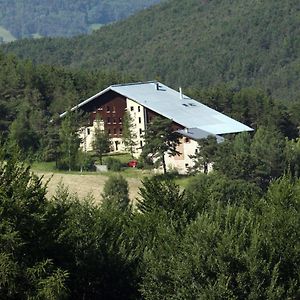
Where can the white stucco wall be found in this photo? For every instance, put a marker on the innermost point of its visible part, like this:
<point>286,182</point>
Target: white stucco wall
<point>183,161</point>
<point>87,135</point>
<point>137,113</point>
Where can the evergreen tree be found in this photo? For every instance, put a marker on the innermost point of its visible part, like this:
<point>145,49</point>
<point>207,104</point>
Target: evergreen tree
<point>205,155</point>
<point>128,134</point>
<point>22,134</point>
<point>160,140</point>
<point>267,150</point>
<point>69,142</point>
<point>116,192</point>
<point>26,270</point>
<point>101,143</point>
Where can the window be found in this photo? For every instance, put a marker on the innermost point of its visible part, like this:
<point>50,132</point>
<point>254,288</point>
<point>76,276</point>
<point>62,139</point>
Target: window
<point>186,165</point>
<point>107,109</point>
<point>141,143</point>
<point>114,109</point>
<point>120,120</point>
<point>108,120</point>
<point>115,131</point>
<point>88,131</point>
<point>196,151</point>
<point>139,109</point>
<point>187,140</point>
<point>109,131</point>
<point>131,108</point>
<point>140,120</point>
<point>120,131</point>
<point>141,131</point>
<point>114,121</point>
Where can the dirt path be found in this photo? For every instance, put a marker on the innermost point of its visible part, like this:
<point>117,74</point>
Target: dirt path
<point>84,185</point>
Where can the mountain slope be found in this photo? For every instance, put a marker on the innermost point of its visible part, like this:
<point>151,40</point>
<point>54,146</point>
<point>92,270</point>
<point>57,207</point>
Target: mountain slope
<point>192,43</point>
<point>63,18</point>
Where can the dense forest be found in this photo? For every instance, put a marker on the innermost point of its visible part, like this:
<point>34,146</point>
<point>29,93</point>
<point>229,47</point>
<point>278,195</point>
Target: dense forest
<point>230,234</point>
<point>63,18</point>
<point>222,237</point>
<point>191,43</point>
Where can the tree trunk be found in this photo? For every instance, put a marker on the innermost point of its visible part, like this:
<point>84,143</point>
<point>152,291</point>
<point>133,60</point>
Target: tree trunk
<point>164,163</point>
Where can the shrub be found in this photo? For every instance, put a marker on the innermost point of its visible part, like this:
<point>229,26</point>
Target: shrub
<point>113,164</point>
<point>116,192</point>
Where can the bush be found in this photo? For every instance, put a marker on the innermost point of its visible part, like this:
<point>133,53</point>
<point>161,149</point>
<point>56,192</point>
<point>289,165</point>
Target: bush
<point>113,164</point>
<point>116,192</point>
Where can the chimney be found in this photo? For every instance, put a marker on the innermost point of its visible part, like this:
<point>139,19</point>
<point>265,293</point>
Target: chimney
<point>157,86</point>
<point>180,91</point>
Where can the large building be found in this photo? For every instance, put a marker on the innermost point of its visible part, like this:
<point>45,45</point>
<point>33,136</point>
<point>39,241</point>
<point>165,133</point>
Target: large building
<point>146,100</point>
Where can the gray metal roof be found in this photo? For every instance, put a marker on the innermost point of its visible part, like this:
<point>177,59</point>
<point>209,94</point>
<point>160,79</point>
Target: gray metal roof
<point>176,106</point>
<point>198,134</point>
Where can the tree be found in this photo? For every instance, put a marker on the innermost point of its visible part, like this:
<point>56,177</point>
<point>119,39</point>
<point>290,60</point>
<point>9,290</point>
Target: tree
<point>101,143</point>
<point>160,139</point>
<point>116,192</point>
<point>267,150</point>
<point>22,135</point>
<point>128,134</point>
<point>26,231</point>
<point>205,155</point>
<point>69,142</point>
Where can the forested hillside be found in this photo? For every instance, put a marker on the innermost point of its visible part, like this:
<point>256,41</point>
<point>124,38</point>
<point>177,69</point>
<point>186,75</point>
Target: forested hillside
<point>63,18</point>
<point>192,43</point>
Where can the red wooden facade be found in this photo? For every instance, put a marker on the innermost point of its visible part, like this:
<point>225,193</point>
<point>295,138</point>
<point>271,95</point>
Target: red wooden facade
<point>109,108</point>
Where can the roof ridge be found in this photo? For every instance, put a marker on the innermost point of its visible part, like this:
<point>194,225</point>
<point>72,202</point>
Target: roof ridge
<point>135,83</point>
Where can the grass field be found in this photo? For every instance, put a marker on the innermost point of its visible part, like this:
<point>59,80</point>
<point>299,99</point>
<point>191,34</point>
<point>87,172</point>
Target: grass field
<point>87,183</point>
<point>92,183</point>
<point>6,35</point>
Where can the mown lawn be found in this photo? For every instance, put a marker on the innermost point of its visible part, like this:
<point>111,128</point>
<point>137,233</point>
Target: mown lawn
<point>84,183</point>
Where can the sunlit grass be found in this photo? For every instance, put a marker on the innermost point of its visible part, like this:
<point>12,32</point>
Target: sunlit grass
<point>127,172</point>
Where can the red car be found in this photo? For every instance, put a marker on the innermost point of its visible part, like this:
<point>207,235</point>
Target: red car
<point>132,164</point>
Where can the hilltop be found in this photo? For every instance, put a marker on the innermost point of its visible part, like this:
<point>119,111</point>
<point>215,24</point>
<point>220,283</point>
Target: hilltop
<point>191,43</point>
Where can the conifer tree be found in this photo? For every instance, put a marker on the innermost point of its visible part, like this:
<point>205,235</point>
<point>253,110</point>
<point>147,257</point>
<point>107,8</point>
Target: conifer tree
<point>101,143</point>
<point>116,192</point>
<point>160,139</point>
<point>128,134</point>
<point>69,142</point>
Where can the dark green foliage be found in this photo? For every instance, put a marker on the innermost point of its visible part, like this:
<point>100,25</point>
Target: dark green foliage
<point>116,193</point>
<point>25,235</point>
<point>159,194</point>
<point>128,134</point>
<point>160,140</point>
<point>191,43</point>
<point>292,156</point>
<point>225,253</point>
<point>22,134</point>
<point>64,18</point>
<point>259,159</point>
<point>113,164</point>
<point>205,155</point>
<point>221,239</point>
<point>85,161</point>
<point>101,143</point>
<point>250,106</point>
<point>34,95</point>
<point>221,189</point>
<point>69,143</point>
